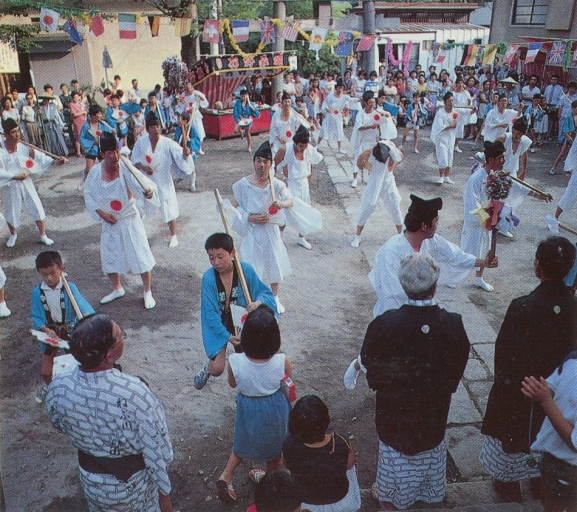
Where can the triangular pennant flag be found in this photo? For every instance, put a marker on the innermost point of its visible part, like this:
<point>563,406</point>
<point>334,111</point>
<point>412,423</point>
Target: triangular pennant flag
<point>183,26</point>
<point>366,43</point>
<point>154,22</point>
<point>267,33</point>
<point>49,19</point>
<point>211,31</point>
<point>532,52</point>
<point>317,37</point>
<point>70,28</point>
<point>97,26</point>
<point>127,25</point>
<point>240,30</point>
<point>489,55</point>
<point>345,46</point>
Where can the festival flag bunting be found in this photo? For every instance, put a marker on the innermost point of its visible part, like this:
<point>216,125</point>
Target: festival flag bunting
<point>211,31</point>
<point>154,22</point>
<point>479,53</point>
<point>127,25</point>
<point>489,55</point>
<point>317,37</point>
<point>70,28</point>
<point>469,54</point>
<point>267,33</point>
<point>532,52</point>
<point>97,26</point>
<point>240,30</point>
<point>557,53</point>
<point>511,53</point>
<point>366,43</point>
<point>183,26</point>
<point>345,46</point>
<point>49,20</point>
<point>290,30</point>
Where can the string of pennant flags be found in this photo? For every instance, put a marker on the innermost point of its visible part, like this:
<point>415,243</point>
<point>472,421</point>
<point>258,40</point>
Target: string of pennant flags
<point>559,53</point>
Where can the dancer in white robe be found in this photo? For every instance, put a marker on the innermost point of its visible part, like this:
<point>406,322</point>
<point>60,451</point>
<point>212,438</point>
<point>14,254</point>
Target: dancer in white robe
<point>499,120</point>
<point>569,199</point>
<point>296,161</point>
<point>462,98</point>
<point>257,219</point>
<point>382,160</point>
<point>159,157</point>
<point>419,236</point>
<point>365,132</point>
<point>4,311</point>
<point>191,103</point>
<point>17,163</point>
<point>335,107</point>
<point>283,125</point>
<point>443,134</point>
<point>110,194</point>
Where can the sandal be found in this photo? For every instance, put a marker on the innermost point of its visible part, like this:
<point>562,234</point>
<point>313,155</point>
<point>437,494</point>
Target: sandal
<point>225,492</point>
<point>256,475</point>
<point>374,492</point>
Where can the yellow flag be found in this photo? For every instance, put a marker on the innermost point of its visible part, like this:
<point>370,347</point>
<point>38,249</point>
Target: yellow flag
<point>183,26</point>
<point>489,55</point>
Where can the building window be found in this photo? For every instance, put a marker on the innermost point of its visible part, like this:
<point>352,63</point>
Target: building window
<point>530,12</point>
<point>427,45</point>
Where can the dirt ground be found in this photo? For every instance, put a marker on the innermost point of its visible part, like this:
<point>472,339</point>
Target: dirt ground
<point>329,305</point>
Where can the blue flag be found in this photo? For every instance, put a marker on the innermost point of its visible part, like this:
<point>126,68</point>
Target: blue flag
<point>345,46</point>
<point>70,28</point>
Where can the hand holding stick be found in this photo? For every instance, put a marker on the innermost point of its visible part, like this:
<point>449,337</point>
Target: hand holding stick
<point>71,298</point>
<point>532,188</point>
<point>237,264</point>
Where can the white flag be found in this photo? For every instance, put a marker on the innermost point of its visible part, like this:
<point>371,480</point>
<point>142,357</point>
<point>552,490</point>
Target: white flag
<point>49,20</point>
<point>317,37</point>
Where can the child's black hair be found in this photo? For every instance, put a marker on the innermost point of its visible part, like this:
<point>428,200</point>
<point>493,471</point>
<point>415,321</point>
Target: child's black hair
<point>309,420</point>
<point>48,258</point>
<point>260,338</point>
<point>277,492</point>
<point>219,241</point>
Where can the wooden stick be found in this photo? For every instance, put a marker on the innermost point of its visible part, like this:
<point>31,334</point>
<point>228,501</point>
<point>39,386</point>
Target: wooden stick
<point>493,250</point>
<point>72,299</point>
<point>135,172</point>
<point>531,187</point>
<point>271,181</point>
<point>237,264</point>
<point>51,155</point>
<point>567,228</point>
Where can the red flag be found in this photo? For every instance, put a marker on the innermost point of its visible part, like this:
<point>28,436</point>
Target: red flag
<point>366,43</point>
<point>211,31</point>
<point>97,26</point>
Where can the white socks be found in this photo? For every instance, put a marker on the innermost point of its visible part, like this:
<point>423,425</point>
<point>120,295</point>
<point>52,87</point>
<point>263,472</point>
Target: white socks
<point>149,301</point>
<point>116,294</point>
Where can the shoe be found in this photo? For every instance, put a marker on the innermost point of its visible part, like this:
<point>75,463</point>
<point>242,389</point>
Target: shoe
<point>4,311</point>
<point>173,242</point>
<point>149,301</point>
<point>304,243</point>
<point>46,241</point>
<point>507,234</point>
<point>458,149</point>
<point>41,394</point>
<point>116,294</point>
<point>341,151</point>
<point>356,241</point>
<point>568,172</point>
<point>531,150</point>
<point>480,283</point>
<point>249,150</point>
<point>256,475</point>
<point>354,183</point>
<point>552,172</point>
<point>416,151</point>
<point>80,185</point>
<point>193,188</point>
<point>201,378</point>
<point>11,242</point>
<point>279,307</point>
<point>225,492</point>
<point>351,375</point>
<point>441,180</point>
<point>200,152</point>
<point>448,180</point>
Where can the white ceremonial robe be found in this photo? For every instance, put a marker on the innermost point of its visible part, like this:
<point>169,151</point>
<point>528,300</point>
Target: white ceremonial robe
<point>462,99</point>
<point>281,130</point>
<point>300,170</point>
<point>194,102</point>
<point>569,199</point>
<point>491,131</point>
<point>166,159</point>
<point>381,184</point>
<point>332,127</point>
<point>571,160</point>
<point>18,195</point>
<point>362,140</point>
<point>455,267</point>
<point>444,138</point>
<point>261,246</point>
<point>123,246</point>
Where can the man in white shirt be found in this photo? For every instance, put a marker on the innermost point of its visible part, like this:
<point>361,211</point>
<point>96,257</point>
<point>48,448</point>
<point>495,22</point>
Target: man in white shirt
<point>134,94</point>
<point>531,89</point>
<point>553,93</point>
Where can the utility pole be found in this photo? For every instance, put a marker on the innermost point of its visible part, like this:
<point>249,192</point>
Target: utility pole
<point>369,28</point>
<point>279,12</point>
<point>214,47</point>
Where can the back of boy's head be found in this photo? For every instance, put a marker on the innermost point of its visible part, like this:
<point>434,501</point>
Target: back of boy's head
<point>260,337</point>
<point>219,241</point>
<point>47,259</point>
<point>309,420</point>
<point>277,492</point>
<point>556,256</point>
